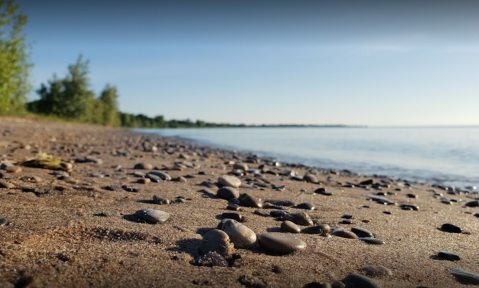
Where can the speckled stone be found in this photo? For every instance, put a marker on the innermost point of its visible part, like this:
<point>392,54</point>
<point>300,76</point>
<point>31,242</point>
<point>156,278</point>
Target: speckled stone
<point>241,236</point>
<point>376,271</point>
<point>230,181</point>
<point>162,175</point>
<point>280,242</point>
<point>160,200</point>
<point>216,241</point>
<point>228,193</point>
<point>152,215</point>
<point>288,226</point>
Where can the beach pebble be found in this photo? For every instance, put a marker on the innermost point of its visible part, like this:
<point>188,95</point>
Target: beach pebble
<point>13,169</point>
<point>152,215</point>
<point>286,203</point>
<point>317,285</point>
<point>241,236</point>
<point>472,203</point>
<point>233,207</point>
<point>162,175</point>
<point>216,241</point>
<point>211,259</point>
<point>347,216</point>
<point>300,218</point>
<point>374,270</point>
<point>280,242</point>
<point>5,184</point>
<point>230,181</point>
<point>339,232</point>
<point>143,166</point>
<point>322,229</point>
<point>307,206</point>
<point>465,277</point>
<point>355,281</point>
<point>322,191</point>
<point>451,228</point>
<point>310,178</point>
<point>361,232</point>
<point>160,200</point>
<point>144,181</point>
<point>235,216</point>
<point>288,226</point>
<point>250,201</point>
<point>3,221</point>
<point>370,240</point>
<point>241,166</point>
<point>228,193</point>
<point>448,256</point>
<point>409,207</point>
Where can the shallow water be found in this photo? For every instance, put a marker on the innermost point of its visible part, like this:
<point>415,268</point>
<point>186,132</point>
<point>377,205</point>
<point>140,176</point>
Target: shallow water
<point>437,155</point>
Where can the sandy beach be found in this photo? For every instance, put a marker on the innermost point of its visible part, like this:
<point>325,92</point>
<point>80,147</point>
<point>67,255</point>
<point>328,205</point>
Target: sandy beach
<point>79,226</point>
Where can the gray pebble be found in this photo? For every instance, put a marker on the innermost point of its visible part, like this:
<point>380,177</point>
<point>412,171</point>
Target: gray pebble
<point>228,193</point>
<point>152,215</point>
<point>162,175</point>
<point>250,201</point>
<point>300,218</point>
<point>465,277</point>
<point>370,240</point>
<point>280,242</point>
<point>160,200</point>
<point>3,221</point>
<point>310,178</point>
<point>143,166</point>
<point>361,232</point>
<point>375,270</point>
<point>448,256</point>
<point>240,235</point>
<point>355,281</point>
<point>230,181</point>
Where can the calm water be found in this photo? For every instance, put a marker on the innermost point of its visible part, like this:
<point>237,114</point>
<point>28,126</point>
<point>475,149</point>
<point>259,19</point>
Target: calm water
<point>447,156</point>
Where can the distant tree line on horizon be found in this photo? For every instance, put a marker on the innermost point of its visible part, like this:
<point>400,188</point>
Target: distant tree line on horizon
<point>69,98</point>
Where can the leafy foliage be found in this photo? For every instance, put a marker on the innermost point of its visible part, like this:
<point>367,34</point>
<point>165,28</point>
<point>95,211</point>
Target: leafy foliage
<point>14,59</point>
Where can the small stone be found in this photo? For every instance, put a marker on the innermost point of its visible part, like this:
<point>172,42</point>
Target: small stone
<point>409,207</point>
<point>322,191</point>
<point>230,181</point>
<point>378,271</point>
<point>448,256</point>
<point>354,280</point>
<point>251,281</point>
<point>160,200</point>
<point>307,206</point>
<point>339,232</point>
<point>180,179</point>
<point>233,207</point>
<point>163,176</point>
<point>5,184</point>
<point>216,241</point>
<point>280,242</point>
<point>347,216</point>
<point>370,240</point>
<point>250,201</point>
<point>277,269</point>
<point>153,178</point>
<point>366,182</point>
<point>451,228</point>
<point>143,166</point>
<point>290,227</point>
<point>317,285</point>
<point>240,235</point>
<point>472,203</point>
<point>411,195</point>
<point>345,221</point>
<point>300,218</point>
<point>286,203</point>
<point>322,229</point>
<point>227,193</point>
<point>13,169</point>
<point>144,181</point>
<point>241,166</point>
<point>3,221</point>
<point>310,178</point>
<point>235,216</point>
<point>361,232</point>
<point>465,277</point>
<point>152,215</point>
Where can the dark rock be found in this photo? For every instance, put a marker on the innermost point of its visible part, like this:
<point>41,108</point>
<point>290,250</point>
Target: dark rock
<point>448,256</point>
<point>307,206</point>
<point>465,277</point>
<point>322,191</point>
<point>361,232</point>
<point>359,281</point>
<point>451,228</point>
<point>370,240</point>
<point>250,201</point>
<point>227,193</point>
<point>322,229</point>
<point>300,218</point>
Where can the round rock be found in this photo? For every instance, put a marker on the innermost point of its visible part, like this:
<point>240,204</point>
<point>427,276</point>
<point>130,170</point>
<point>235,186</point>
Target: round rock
<point>152,215</point>
<point>230,181</point>
<point>280,243</point>
<point>288,226</point>
<point>376,271</point>
<point>240,235</point>
<point>227,193</point>
<point>310,178</point>
<point>143,166</point>
<point>250,201</point>
<point>216,241</point>
<point>160,200</point>
<point>451,228</point>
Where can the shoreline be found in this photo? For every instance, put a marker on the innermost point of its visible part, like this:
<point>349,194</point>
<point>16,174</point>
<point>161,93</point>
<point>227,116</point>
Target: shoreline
<point>67,229</point>
<point>437,180</point>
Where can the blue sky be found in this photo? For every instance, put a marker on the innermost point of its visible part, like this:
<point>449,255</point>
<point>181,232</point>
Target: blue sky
<point>255,62</point>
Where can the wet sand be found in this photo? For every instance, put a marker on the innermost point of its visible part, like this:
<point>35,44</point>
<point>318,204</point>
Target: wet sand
<point>72,232</point>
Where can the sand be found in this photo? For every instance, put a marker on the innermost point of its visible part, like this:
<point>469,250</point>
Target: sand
<point>58,236</point>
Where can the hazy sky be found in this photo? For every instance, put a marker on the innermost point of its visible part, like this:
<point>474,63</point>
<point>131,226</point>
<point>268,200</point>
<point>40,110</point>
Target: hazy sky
<point>319,62</point>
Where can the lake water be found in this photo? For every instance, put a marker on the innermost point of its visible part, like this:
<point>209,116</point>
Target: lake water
<point>438,155</point>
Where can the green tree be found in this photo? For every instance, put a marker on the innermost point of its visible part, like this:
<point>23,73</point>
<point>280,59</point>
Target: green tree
<point>68,98</point>
<point>108,101</point>
<point>14,59</point>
